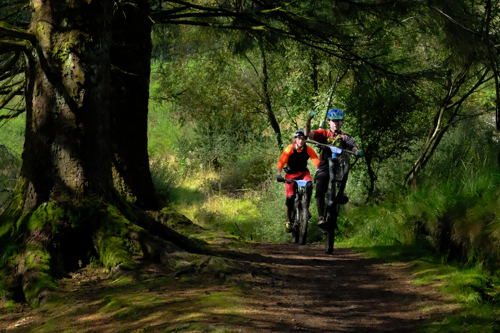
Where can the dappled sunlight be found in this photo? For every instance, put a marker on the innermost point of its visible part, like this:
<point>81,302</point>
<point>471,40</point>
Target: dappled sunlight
<point>265,287</point>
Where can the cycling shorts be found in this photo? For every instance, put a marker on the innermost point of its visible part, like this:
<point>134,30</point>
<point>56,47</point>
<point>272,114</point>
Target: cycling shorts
<point>304,175</point>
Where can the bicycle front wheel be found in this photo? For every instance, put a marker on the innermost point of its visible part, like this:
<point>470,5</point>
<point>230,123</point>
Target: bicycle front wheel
<point>303,223</point>
<point>330,233</point>
<point>331,219</point>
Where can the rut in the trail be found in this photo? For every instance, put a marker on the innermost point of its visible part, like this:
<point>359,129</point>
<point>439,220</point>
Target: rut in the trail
<point>304,289</point>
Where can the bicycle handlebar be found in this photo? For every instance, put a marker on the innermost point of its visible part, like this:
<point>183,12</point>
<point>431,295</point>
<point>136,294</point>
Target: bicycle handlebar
<point>299,182</point>
<point>330,146</point>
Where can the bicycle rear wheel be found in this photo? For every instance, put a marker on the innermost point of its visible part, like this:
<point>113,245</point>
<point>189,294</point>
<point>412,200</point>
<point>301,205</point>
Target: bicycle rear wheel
<point>302,223</point>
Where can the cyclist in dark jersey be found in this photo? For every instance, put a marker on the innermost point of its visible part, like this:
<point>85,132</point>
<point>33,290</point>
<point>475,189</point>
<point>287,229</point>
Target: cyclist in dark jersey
<point>337,138</point>
<point>296,155</point>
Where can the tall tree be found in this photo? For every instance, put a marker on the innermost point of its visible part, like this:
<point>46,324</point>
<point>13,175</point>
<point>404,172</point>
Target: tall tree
<point>130,71</point>
<point>65,205</point>
<point>66,154</point>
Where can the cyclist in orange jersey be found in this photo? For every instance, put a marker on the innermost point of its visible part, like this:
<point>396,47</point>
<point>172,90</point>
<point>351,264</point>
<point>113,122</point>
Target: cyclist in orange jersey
<point>295,156</point>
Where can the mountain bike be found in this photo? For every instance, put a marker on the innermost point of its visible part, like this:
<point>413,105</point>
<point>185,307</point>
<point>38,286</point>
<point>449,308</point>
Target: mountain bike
<point>300,214</point>
<point>339,165</point>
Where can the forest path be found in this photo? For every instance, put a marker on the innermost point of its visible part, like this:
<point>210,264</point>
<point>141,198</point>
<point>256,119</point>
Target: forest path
<point>308,290</point>
<point>265,288</point>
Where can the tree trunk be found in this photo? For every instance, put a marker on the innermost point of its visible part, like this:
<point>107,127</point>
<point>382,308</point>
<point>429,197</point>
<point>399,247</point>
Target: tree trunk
<point>267,98</point>
<point>66,151</point>
<point>130,61</point>
<point>66,158</point>
<point>65,210</point>
<point>441,123</point>
<point>373,176</point>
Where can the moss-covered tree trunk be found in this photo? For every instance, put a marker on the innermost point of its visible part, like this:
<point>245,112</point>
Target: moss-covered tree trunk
<point>66,153</point>
<point>65,210</point>
<point>66,159</point>
<point>130,61</point>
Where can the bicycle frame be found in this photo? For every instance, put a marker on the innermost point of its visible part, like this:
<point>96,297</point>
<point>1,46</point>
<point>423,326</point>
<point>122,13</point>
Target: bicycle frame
<point>338,167</point>
<point>300,212</point>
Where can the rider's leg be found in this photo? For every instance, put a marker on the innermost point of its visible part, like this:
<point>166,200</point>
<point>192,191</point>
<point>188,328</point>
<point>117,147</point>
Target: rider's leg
<point>321,179</point>
<point>343,199</point>
<point>289,209</point>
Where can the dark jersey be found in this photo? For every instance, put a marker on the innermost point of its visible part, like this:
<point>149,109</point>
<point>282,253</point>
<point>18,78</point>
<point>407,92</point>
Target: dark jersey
<point>340,140</point>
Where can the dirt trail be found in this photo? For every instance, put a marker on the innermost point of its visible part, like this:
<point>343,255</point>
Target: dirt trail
<point>276,288</point>
<point>308,290</point>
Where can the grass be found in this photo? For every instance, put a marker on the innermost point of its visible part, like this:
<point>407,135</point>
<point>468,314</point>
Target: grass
<point>474,289</point>
<point>164,304</point>
<point>447,231</point>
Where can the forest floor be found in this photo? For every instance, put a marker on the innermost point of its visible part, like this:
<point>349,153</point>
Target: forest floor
<point>245,287</point>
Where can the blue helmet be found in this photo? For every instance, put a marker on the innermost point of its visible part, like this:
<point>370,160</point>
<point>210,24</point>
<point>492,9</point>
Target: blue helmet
<point>300,133</point>
<point>335,114</point>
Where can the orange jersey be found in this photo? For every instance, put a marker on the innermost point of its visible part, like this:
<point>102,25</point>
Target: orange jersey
<point>297,159</point>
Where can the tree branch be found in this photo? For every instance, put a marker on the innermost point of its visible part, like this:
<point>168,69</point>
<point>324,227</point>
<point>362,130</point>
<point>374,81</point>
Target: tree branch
<point>12,115</point>
<point>11,95</point>
<point>9,30</point>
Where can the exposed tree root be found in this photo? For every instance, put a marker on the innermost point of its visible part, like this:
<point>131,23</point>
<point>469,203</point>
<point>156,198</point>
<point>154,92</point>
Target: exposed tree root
<point>53,240</point>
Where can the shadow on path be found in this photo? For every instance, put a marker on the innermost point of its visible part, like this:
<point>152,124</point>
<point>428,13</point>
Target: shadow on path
<point>303,289</point>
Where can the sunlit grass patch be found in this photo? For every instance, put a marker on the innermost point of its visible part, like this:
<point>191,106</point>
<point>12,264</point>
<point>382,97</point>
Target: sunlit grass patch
<point>472,291</point>
<point>479,319</point>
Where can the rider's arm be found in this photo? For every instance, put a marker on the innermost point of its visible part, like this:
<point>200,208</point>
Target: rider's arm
<point>307,129</point>
<point>284,157</point>
<point>351,144</point>
<point>313,156</point>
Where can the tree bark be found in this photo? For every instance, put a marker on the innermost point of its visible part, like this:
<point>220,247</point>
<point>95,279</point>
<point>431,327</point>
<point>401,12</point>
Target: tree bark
<point>66,152</point>
<point>66,160</point>
<point>130,61</point>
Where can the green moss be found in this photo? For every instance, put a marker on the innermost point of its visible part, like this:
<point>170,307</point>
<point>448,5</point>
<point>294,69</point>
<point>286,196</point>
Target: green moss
<point>33,289</point>
<point>112,304</point>
<point>14,210</point>
<point>36,268</point>
<point>113,233</point>
<point>10,306</point>
<point>114,253</point>
<point>48,212</point>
